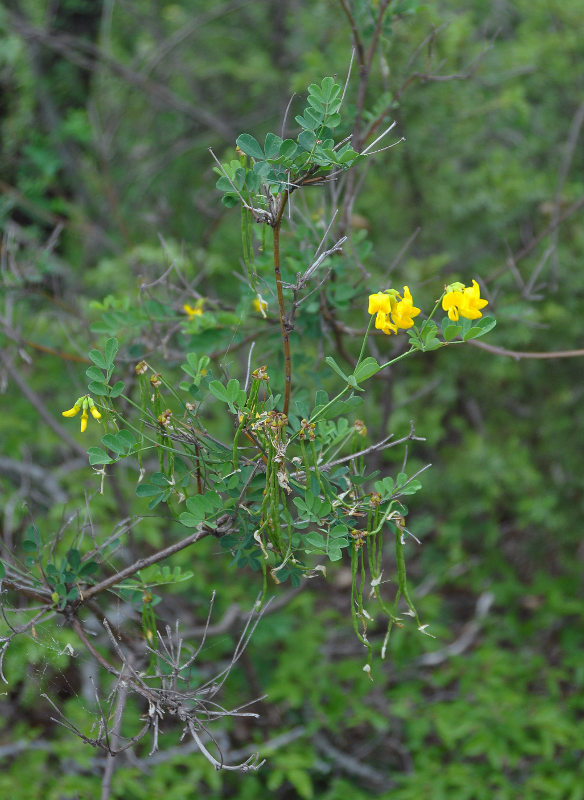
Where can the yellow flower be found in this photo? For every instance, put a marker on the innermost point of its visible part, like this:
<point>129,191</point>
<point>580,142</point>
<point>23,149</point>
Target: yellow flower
<point>393,311</point>
<point>403,312</point>
<point>451,303</point>
<point>472,302</point>
<point>83,404</point>
<point>380,302</point>
<point>72,412</point>
<point>382,323</point>
<point>463,301</point>
<point>192,312</point>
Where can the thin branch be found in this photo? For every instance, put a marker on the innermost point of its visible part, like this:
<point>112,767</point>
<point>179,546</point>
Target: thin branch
<point>142,563</point>
<point>518,354</point>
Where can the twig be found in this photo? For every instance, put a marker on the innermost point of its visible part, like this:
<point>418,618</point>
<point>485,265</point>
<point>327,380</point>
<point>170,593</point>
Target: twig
<point>142,563</point>
<point>518,354</point>
<point>108,772</point>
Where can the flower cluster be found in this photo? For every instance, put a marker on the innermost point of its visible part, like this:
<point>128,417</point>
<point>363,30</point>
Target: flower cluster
<point>461,301</point>
<point>83,403</point>
<point>393,310</point>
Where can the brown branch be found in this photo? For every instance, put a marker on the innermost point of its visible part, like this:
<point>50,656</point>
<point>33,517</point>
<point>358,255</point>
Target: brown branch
<point>519,354</point>
<point>354,33</point>
<point>141,563</point>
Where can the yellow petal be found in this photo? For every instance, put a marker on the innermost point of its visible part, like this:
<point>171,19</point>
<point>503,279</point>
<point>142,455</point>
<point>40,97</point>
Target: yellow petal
<point>379,302</point>
<point>83,421</point>
<point>72,412</point>
<point>95,413</point>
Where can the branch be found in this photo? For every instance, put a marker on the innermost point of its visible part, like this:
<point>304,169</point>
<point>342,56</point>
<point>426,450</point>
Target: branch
<point>518,354</point>
<point>141,563</point>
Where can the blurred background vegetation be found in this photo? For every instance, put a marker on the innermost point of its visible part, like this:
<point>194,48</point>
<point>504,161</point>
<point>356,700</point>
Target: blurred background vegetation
<point>107,111</point>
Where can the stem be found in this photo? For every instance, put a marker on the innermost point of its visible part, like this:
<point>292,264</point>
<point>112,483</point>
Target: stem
<point>398,358</point>
<point>365,340</point>
<point>285,339</point>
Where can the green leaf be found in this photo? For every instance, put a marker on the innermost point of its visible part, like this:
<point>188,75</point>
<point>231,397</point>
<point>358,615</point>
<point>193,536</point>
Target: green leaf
<point>316,540</point>
<point>239,178</point>
<point>250,146</point>
<point>89,568</point>
<point>339,531</point>
<point>99,389</point>
<point>201,505</point>
<point>307,140</point>
<point>233,390</point>
<point>230,200</point>
<point>450,331</point>
<point>366,369</point>
<point>411,488</point>
<point>272,145</point>
<point>128,438</point>
<point>288,149</point>
<point>253,181</point>
<point>111,348</point>
<point>148,490</point>
<point>2,571</point>
<point>482,327</point>
<point>224,184</point>
<point>219,391</point>
<point>117,389</point>
<point>95,374</point>
<point>74,559</point>
<point>98,456</point>
<point>333,365</point>
<point>384,487</point>
<point>334,552</point>
<point>190,520</point>
<point>97,359</point>
<point>111,441</point>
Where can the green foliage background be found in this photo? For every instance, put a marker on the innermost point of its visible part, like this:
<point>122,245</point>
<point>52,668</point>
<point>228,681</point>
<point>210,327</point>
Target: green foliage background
<point>113,152</point>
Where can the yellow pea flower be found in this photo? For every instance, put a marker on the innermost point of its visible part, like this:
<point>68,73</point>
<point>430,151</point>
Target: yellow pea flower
<point>383,323</point>
<point>472,302</point>
<point>83,403</point>
<point>461,301</point>
<point>451,303</point>
<point>379,302</point>
<point>72,412</point>
<point>403,312</point>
